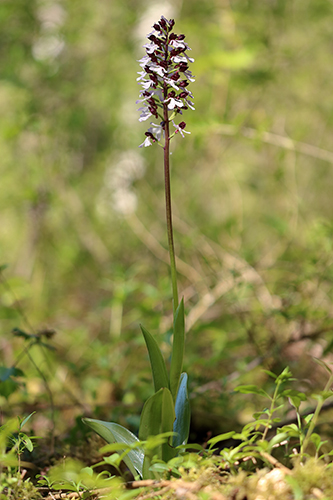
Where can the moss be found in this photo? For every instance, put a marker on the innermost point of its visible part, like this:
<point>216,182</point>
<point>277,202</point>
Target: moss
<point>314,475</point>
<point>15,487</point>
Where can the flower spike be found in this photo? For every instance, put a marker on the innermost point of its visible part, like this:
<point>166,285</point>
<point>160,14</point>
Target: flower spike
<point>164,78</point>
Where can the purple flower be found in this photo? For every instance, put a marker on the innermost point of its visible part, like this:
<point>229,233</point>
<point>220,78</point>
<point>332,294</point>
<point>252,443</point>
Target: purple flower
<point>180,128</point>
<point>164,78</point>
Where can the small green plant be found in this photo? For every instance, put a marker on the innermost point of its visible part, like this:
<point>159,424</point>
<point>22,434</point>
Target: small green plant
<point>164,77</point>
<point>255,441</point>
<point>13,442</point>
<point>72,476</point>
<point>21,441</point>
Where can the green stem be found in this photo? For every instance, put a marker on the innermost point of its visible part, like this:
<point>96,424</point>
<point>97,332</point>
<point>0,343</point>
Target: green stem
<point>168,205</point>
<point>316,415</point>
<point>271,411</point>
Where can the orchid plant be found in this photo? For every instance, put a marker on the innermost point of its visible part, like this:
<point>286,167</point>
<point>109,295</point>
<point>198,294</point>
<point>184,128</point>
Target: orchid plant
<point>164,77</point>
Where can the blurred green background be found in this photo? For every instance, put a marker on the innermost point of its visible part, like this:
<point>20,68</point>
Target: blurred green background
<point>82,208</point>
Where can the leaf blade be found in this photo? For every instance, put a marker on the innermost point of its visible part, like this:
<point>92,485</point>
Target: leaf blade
<point>178,347</point>
<point>181,425</point>
<point>158,368</point>
<point>115,433</point>
<point>157,417</point>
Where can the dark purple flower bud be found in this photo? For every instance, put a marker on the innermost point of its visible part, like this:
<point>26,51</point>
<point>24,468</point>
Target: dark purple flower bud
<point>149,134</point>
<point>172,94</point>
<point>153,58</point>
<point>183,66</point>
<point>153,78</point>
<point>173,36</point>
<point>175,76</point>
<point>171,23</point>
<point>183,83</point>
<point>180,37</point>
<point>182,125</point>
<point>175,52</point>
<point>183,94</point>
<point>157,27</point>
<point>153,111</point>
<point>163,24</point>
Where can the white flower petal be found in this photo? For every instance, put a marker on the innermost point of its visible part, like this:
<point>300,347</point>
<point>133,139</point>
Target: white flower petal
<point>147,142</point>
<point>157,69</point>
<point>156,130</point>
<point>178,59</point>
<point>171,82</point>
<point>150,47</point>
<point>146,84</point>
<point>145,114</point>
<point>179,44</point>
<point>174,103</point>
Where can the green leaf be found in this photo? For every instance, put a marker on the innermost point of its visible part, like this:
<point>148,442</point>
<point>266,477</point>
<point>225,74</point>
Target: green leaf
<point>284,376</point>
<point>277,439</point>
<point>157,417</point>
<point>7,373</point>
<point>27,441</point>
<point>316,440</point>
<point>20,333</point>
<point>181,425</point>
<point>178,347</point>
<point>292,430</point>
<point>26,419</point>
<point>112,447</point>
<point>251,389</point>
<point>115,433</point>
<point>157,363</point>
<point>308,418</point>
<point>271,374</point>
<point>221,437</point>
<point>191,447</point>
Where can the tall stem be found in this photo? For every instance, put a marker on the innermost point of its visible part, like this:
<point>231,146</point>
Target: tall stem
<point>168,206</point>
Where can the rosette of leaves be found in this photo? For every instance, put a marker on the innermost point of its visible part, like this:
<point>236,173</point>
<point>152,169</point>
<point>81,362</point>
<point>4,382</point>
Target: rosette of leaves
<point>167,411</point>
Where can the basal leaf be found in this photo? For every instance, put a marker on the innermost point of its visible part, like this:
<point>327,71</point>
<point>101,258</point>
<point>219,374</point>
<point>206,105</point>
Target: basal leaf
<point>177,349</point>
<point>157,417</point>
<point>157,363</point>
<point>167,423</point>
<point>181,425</point>
<point>115,433</point>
